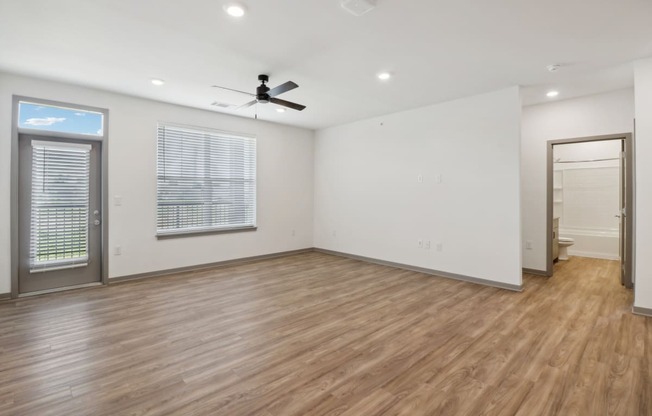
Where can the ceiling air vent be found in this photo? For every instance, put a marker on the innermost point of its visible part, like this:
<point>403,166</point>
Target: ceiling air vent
<point>358,7</point>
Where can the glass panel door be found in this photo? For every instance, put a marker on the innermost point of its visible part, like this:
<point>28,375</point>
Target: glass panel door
<point>59,187</point>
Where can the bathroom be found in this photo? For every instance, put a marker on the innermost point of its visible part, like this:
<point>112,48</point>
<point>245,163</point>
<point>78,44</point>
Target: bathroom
<point>586,196</point>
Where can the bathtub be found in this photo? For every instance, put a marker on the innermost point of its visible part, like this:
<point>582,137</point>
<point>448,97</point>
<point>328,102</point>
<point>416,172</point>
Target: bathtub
<point>599,244</point>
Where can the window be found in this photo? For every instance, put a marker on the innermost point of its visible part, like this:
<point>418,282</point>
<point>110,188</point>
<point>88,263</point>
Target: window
<point>59,119</point>
<point>60,205</point>
<point>206,181</point>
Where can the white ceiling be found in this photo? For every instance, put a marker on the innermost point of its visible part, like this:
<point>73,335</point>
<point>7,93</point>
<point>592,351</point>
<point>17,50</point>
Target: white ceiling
<point>436,49</point>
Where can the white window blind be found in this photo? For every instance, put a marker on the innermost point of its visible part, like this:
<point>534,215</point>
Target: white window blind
<point>60,205</point>
<point>206,180</point>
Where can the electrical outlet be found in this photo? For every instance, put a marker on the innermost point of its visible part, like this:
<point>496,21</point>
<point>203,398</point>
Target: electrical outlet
<point>117,250</point>
<point>426,244</point>
<point>528,245</point>
<point>117,200</point>
<point>420,178</point>
<point>438,178</point>
<point>439,247</point>
<point>420,243</point>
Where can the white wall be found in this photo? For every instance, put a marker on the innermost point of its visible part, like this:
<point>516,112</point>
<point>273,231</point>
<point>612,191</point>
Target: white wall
<point>643,233</point>
<point>285,181</point>
<point>368,200</point>
<point>594,115</point>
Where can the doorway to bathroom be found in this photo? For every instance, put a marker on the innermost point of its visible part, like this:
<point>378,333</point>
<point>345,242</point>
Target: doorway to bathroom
<point>590,201</point>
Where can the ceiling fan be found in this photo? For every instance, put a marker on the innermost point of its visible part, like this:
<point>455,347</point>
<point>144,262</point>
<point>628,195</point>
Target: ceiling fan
<point>265,95</point>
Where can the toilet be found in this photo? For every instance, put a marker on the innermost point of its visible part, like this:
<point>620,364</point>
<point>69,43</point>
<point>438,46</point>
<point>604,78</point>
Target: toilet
<point>564,243</point>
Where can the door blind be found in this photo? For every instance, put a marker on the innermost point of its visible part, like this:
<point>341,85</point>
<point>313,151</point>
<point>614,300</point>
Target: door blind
<point>206,180</point>
<point>59,205</point>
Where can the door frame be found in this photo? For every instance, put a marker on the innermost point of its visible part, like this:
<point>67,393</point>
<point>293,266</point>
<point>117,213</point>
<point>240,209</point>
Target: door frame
<point>14,172</point>
<point>628,140</point>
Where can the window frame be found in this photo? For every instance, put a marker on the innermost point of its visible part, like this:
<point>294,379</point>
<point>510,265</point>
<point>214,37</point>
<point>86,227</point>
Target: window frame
<point>65,106</point>
<point>162,234</point>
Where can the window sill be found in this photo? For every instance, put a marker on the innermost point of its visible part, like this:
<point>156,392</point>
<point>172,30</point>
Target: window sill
<point>182,234</point>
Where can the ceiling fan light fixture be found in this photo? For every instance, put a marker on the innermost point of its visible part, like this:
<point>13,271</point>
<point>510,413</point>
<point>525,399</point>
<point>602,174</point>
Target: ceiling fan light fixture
<point>552,94</point>
<point>280,110</point>
<point>235,9</point>
<point>384,76</point>
<point>158,82</point>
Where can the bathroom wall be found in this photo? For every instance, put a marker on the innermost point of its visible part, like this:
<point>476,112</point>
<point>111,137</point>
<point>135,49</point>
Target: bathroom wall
<point>587,197</point>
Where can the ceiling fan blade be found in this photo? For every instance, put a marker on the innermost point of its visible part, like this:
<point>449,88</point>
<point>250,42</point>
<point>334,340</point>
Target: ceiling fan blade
<point>284,103</point>
<point>231,89</point>
<point>249,104</point>
<point>282,88</point>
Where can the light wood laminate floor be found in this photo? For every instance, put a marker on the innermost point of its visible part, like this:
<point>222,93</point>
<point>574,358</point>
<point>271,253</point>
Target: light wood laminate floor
<point>314,334</point>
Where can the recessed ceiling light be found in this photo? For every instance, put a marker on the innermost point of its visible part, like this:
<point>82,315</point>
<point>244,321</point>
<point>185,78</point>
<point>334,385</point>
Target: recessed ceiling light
<point>157,82</point>
<point>552,94</point>
<point>281,110</point>
<point>384,76</point>
<point>235,10</point>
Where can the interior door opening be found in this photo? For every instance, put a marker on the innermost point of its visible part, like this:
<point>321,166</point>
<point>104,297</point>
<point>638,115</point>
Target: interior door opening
<point>590,202</point>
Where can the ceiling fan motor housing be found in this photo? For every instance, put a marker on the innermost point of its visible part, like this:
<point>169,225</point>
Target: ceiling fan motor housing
<point>261,94</point>
<point>261,91</point>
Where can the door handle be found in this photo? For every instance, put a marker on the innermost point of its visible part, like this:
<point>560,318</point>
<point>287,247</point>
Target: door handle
<point>96,222</point>
<point>617,216</point>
